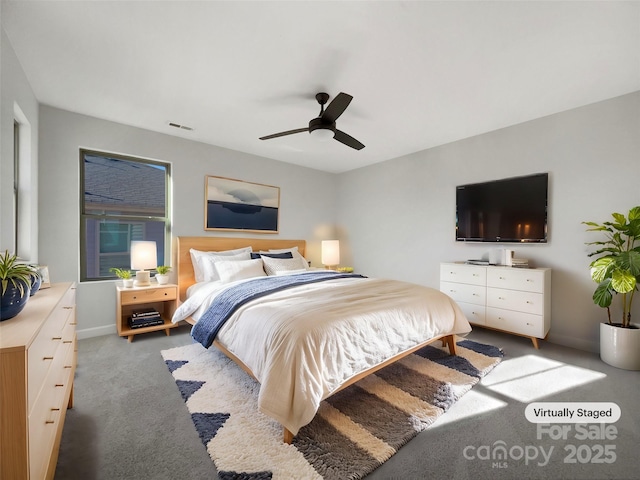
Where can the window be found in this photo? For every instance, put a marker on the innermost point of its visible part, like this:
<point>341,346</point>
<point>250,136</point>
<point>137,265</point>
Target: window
<point>122,199</point>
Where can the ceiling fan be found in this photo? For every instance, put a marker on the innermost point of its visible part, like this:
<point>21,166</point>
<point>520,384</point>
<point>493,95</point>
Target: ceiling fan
<point>324,125</point>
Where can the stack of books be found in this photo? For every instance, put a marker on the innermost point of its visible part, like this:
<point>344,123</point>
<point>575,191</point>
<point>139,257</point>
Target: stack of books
<point>146,317</point>
<point>520,263</point>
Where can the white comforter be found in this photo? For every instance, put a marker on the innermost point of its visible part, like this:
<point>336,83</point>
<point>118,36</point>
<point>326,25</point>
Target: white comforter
<point>305,342</point>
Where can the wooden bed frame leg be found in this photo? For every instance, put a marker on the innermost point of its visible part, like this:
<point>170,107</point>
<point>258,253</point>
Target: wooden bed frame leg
<point>451,343</point>
<point>287,436</point>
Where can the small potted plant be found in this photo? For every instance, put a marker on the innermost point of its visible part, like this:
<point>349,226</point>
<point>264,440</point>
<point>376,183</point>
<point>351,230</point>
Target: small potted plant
<point>617,272</point>
<point>124,275</point>
<point>16,285</point>
<point>163,274</point>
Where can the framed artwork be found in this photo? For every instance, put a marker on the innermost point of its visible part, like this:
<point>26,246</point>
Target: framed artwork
<point>235,205</point>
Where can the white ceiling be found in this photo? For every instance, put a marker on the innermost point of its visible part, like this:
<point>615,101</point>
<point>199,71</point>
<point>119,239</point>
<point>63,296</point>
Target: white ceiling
<point>422,74</point>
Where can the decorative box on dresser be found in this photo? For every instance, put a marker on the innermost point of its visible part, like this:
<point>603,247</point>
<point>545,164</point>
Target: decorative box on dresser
<point>513,300</point>
<point>37,366</point>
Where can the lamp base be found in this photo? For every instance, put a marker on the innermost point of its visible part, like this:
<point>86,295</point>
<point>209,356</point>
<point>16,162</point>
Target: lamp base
<point>143,278</point>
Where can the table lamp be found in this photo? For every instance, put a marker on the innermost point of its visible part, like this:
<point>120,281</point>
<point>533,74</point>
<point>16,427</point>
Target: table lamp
<point>330,253</point>
<point>143,257</point>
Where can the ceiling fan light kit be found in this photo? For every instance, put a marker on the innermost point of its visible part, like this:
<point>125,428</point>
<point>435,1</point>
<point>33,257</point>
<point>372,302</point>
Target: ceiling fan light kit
<point>324,125</point>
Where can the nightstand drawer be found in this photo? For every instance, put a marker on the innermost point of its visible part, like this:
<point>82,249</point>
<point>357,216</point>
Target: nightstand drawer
<point>158,294</point>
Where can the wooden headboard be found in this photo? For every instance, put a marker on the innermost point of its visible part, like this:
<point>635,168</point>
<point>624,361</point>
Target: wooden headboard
<point>182,245</point>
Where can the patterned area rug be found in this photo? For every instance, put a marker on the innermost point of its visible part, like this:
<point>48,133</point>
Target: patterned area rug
<point>354,432</point>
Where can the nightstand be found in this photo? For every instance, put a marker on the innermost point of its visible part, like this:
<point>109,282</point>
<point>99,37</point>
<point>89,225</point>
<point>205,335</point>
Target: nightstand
<point>163,298</point>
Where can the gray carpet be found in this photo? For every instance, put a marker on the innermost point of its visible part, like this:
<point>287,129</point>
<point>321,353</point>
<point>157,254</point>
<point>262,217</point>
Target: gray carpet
<point>129,420</point>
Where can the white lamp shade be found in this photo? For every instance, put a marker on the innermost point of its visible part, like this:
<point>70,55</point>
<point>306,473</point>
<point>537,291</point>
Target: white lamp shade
<point>143,255</point>
<point>330,252</point>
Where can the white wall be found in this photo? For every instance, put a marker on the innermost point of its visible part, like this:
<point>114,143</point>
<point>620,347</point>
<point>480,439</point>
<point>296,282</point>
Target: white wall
<point>16,96</point>
<point>307,197</point>
<point>398,216</point>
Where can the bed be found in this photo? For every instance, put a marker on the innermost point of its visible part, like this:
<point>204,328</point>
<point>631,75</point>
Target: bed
<point>303,334</point>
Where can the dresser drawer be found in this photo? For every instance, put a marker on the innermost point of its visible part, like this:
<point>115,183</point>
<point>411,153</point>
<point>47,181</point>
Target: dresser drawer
<point>523,279</point>
<point>475,313</point>
<point>44,421</point>
<point>152,295</point>
<point>457,273</point>
<point>464,292</point>
<point>513,300</point>
<point>516,322</point>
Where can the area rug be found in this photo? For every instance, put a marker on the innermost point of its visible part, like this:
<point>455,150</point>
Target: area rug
<point>354,432</point>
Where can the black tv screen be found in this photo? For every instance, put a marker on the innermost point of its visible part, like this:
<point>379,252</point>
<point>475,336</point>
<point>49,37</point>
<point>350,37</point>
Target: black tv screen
<point>508,210</point>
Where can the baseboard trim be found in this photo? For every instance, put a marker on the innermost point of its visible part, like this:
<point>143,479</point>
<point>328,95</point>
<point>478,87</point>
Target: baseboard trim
<point>578,344</point>
<point>96,332</point>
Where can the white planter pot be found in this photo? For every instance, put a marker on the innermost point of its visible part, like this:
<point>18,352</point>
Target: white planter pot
<point>620,347</point>
<point>127,282</point>
<point>162,279</point>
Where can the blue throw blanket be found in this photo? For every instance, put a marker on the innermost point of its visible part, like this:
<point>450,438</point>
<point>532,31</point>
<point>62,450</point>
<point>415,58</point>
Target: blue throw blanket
<point>227,302</point>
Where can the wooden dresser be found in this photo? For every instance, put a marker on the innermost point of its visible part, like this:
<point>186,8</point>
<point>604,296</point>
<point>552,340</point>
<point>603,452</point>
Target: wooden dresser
<point>37,366</point>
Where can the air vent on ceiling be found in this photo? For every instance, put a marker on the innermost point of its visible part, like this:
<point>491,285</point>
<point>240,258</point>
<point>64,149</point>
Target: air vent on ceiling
<point>177,125</point>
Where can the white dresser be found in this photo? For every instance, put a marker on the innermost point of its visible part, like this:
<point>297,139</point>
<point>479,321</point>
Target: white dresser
<point>514,300</point>
<point>37,365</point>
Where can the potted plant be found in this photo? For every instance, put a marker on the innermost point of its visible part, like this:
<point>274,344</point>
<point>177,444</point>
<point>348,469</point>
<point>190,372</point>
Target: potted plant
<point>616,270</point>
<point>16,285</point>
<point>124,275</point>
<point>163,274</point>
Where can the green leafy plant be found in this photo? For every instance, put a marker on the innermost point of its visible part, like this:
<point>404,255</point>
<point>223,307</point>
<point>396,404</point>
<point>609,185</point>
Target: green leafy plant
<point>617,268</point>
<point>163,269</point>
<point>121,273</point>
<point>18,274</point>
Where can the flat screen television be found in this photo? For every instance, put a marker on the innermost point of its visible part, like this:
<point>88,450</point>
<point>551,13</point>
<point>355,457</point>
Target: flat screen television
<point>508,210</point>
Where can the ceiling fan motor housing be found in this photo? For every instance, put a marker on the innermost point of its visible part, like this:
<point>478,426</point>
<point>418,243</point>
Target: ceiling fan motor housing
<point>318,124</point>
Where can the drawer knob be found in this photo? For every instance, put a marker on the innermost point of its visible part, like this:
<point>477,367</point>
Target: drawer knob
<point>500,298</point>
<point>47,358</point>
<point>59,385</point>
<point>68,308</point>
<point>56,338</point>
<point>529,302</point>
<point>529,280</point>
<point>501,278</point>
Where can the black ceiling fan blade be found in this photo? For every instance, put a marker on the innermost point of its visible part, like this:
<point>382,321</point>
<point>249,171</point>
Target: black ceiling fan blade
<point>348,140</point>
<point>336,108</point>
<point>288,132</point>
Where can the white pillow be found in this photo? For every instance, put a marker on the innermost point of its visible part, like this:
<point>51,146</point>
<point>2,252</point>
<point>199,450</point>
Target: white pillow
<point>197,255</point>
<point>239,270</point>
<point>294,251</point>
<point>274,266</point>
<point>208,264</point>
<point>291,272</point>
